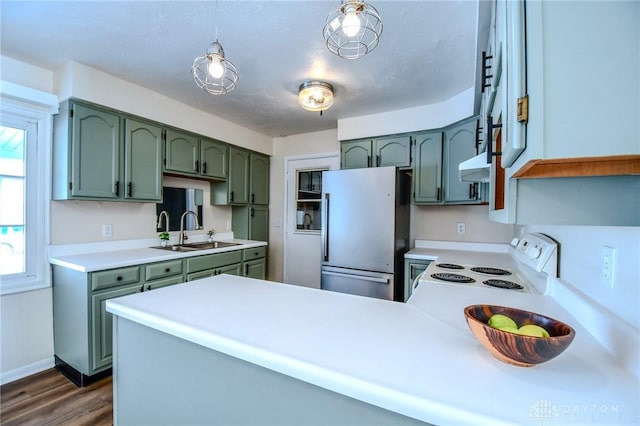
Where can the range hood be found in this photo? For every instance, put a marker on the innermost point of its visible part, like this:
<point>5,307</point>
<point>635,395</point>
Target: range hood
<point>475,169</point>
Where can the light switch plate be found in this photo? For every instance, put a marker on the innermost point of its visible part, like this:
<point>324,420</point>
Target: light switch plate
<point>608,266</point>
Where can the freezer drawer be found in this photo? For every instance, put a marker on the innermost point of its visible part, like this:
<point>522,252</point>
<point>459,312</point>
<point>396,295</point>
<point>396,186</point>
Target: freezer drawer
<point>362,283</point>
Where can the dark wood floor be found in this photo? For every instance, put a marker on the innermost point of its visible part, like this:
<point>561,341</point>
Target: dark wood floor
<point>49,398</point>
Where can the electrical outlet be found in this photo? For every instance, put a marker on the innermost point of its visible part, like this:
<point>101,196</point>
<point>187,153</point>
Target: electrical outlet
<point>460,228</point>
<point>608,266</point>
<point>107,231</point>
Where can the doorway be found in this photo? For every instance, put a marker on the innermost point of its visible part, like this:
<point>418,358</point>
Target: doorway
<point>303,211</point>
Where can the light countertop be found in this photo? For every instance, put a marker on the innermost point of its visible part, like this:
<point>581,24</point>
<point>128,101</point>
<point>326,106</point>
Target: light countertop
<point>113,258</point>
<point>390,354</point>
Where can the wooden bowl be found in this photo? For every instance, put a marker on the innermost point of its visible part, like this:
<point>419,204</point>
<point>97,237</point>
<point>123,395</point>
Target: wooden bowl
<point>517,349</point>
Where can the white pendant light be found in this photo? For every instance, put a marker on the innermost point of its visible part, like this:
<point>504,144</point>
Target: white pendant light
<point>353,29</point>
<point>213,72</point>
<point>315,95</point>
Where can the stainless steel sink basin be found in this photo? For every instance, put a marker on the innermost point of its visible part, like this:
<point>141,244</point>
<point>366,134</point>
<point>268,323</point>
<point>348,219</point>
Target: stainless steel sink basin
<point>196,246</point>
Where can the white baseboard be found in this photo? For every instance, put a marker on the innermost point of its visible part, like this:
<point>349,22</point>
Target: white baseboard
<point>27,370</point>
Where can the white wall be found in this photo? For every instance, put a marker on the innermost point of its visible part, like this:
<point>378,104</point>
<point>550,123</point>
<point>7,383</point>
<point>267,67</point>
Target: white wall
<point>581,261</point>
<point>425,117</point>
<point>439,223</point>
<point>296,145</point>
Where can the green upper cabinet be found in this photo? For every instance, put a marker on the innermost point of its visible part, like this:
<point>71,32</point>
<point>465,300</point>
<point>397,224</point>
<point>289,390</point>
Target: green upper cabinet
<point>100,154</point>
<point>238,180</point>
<point>142,160</point>
<point>355,154</point>
<point>182,152</point>
<point>214,158</point>
<point>250,222</point>
<point>427,179</point>
<point>247,180</point>
<point>259,179</point>
<point>188,154</point>
<point>460,145</point>
<point>95,153</point>
<point>381,152</point>
<point>392,151</point>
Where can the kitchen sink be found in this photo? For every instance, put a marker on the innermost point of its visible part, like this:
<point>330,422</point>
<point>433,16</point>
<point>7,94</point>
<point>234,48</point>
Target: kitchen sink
<point>196,246</point>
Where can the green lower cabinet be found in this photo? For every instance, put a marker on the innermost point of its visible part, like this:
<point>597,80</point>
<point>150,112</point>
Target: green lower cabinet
<point>255,269</point>
<point>412,268</point>
<point>234,269</point>
<point>102,323</point>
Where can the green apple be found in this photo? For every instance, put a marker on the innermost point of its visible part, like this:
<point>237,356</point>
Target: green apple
<point>510,329</point>
<point>500,321</point>
<point>533,330</point>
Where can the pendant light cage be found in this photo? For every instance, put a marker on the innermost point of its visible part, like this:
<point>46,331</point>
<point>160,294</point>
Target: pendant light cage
<point>213,73</point>
<point>353,29</point>
<point>315,95</point>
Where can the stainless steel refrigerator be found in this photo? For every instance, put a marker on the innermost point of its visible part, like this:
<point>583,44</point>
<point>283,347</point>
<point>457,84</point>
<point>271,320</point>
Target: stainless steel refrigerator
<point>365,231</point>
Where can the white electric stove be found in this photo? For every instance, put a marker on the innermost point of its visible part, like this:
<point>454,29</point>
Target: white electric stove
<point>534,259</point>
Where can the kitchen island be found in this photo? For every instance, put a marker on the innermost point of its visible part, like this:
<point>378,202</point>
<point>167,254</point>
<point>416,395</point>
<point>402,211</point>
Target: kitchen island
<point>233,350</point>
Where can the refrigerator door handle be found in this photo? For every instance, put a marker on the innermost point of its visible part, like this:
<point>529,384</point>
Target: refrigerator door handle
<point>358,277</point>
<point>325,228</point>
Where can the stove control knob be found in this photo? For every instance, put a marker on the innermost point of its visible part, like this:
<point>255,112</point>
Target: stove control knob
<point>533,252</point>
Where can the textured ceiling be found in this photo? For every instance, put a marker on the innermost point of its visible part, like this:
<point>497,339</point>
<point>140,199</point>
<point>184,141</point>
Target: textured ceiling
<point>427,53</point>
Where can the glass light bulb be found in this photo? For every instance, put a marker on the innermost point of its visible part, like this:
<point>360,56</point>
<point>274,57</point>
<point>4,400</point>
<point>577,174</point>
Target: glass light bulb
<point>351,24</point>
<point>216,69</point>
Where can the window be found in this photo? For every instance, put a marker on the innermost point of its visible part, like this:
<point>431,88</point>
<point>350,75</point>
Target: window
<point>308,200</point>
<point>25,167</point>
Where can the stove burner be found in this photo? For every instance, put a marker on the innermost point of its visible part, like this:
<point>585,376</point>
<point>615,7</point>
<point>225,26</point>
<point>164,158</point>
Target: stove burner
<point>490,271</point>
<point>507,285</point>
<point>449,266</point>
<point>455,278</point>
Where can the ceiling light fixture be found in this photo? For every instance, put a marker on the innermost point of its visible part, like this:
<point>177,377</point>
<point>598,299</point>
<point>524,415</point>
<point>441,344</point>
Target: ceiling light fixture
<point>353,29</point>
<point>315,95</point>
<point>212,72</point>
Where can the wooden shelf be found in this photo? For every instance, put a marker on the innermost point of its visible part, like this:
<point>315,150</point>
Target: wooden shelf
<point>615,165</point>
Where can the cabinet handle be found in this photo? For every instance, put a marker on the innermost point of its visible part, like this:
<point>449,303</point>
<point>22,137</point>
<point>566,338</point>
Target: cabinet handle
<point>142,288</point>
<point>253,212</point>
<point>377,161</point>
<point>478,136</point>
<point>118,278</point>
<point>490,127</point>
<point>368,161</point>
<point>129,189</point>
<point>204,168</point>
<point>117,188</point>
<point>197,166</point>
<point>438,198</point>
<point>471,191</point>
<point>231,197</point>
<point>246,269</point>
<point>148,287</point>
<point>476,190</point>
<point>253,198</point>
<point>167,270</point>
<point>485,70</point>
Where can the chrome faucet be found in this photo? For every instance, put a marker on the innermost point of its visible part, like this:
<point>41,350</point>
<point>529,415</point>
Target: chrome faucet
<point>182,236</point>
<point>166,220</point>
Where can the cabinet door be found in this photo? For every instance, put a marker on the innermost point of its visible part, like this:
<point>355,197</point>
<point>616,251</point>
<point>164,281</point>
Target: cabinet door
<point>460,145</point>
<point>428,168</point>
<point>355,154</point>
<point>259,179</point>
<point>102,324</point>
<point>235,269</point>
<point>182,153</point>
<point>259,223</point>
<point>238,180</point>
<point>394,151</point>
<point>152,285</point>
<point>255,269</point>
<point>213,156</point>
<point>143,161</point>
<point>95,151</point>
